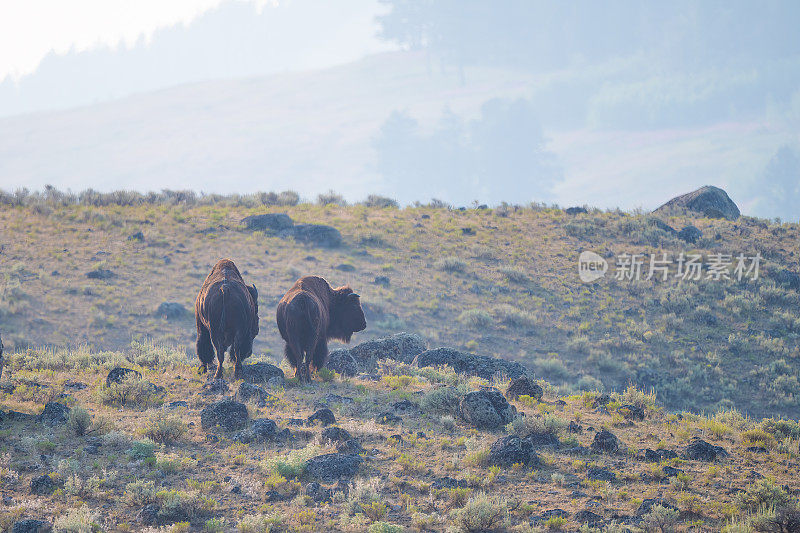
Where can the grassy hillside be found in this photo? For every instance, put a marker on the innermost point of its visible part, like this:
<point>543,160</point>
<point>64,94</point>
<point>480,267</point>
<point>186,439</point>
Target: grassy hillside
<point>508,287</point>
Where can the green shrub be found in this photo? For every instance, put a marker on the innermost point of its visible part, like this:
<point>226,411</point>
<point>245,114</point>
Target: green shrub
<point>475,318</point>
<point>508,314</point>
<point>385,527</point>
<point>763,493</point>
<point>78,520</point>
<point>132,391</point>
<point>514,274</point>
<point>140,493</point>
<point>481,513</point>
<point>292,465</point>
<point>451,264</point>
<point>261,523</point>
<point>142,449</point>
<point>165,430</point>
<point>79,421</point>
<point>441,401</point>
<point>661,519</point>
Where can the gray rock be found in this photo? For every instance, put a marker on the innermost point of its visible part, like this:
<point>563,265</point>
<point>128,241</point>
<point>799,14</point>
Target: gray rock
<point>707,201</point>
<point>262,429</point>
<point>403,347</point>
<point>342,362</point>
<point>631,412</point>
<point>345,267</point>
<point>227,414</point>
<point>148,515</point>
<point>388,418</point>
<point>44,485</point>
<point>248,391</point>
<point>786,278</point>
<point>324,416</point>
<point>170,311</point>
<point>333,399</point>
<point>597,473</point>
<point>260,373</point>
<point>471,364</point>
<point>405,407</point>
<point>588,517</point>
<point>656,456</point>
<point>700,450</point>
<point>138,236</point>
<point>605,441</point>
<point>648,503</point>
<point>333,466</point>
<point>486,409</point>
<point>116,375</point>
<point>524,386</point>
<point>29,525</point>
<point>512,450</point>
<point>448,482</point>
<point>334,434</point>
<point>690,234</point>
<point>268,222</point>
<point>100,273</point>
<point>671,471</point>
<point>575,210</point>
<point>54,414</point>
<point>350,447</point>
<point>318,493</point>
<point>543,439</point>
<point>660,224</point>
<point>215,386</point>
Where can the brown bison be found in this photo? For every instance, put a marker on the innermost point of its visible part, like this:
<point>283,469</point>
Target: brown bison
<point>311,313</point>
<point>226,311</point>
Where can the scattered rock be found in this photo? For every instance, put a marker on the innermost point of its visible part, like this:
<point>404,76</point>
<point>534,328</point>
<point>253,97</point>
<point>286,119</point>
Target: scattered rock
<point>93,445</point>
<point>468,231</point>
<point>268,222</point>
<point>342,362</point>
<point>574,427</point>
<point>671,471</point>
<point>54,414</point>
<point>148,515</point>
<point>756,449</point>
<point>656,456</point>
<point>215,386</point>
<point>334,434</point>
<point>601,400</point>
<point>605,441</point>
<point>345,267</point>
<point>227,414</point>
<point>405,407</point>
<point>29,525</point>
<point>543,439</point>
<point>486,409</point>
<point>116,375</point>
<point>381,280</point>
<point>261,373</point>
<point>471,364</point>
<point>100,273</point>
<point>138,236</point>
<point>260,430</point>
<point>449,483</point>
<point>648,504</point>
<point>700,450</point>
<point>511,450</point>
<point>318,493</point>
<point>524,386</point>
<point>601,474</point>
<point>324,416</point>
<point>388,418</point>
<point>333,399</point>
<point>690,234</point>
<point>575,210</point>
<point>551,513</point>
<point>170,311</point>
<point>248,391</point>
<point>350,447</point>
<point>631,412</point>
<point>177,403</point>
<point>660,224</point>
<point>44,485</point>
<point>401,347</point>
<point>77,385</point>
<point>786,278</point>
<point>333,466</point>
<point>711,202</point>
<point>588,517</point>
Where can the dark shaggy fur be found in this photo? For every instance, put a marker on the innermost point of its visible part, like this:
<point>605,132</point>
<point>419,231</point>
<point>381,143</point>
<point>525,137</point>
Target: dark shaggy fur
<point>226,311</point>
<point>310,314</point>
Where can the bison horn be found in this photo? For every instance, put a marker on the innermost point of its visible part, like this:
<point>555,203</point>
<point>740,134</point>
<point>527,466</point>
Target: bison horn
<point>354,295</point>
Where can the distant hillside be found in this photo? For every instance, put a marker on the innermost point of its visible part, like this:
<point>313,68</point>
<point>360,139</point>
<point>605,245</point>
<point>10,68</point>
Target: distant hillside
<point>500,282</point>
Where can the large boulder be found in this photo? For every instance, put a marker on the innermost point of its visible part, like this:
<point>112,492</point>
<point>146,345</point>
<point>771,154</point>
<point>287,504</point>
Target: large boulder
<point>403,347</point>
<point>30,525</point>
<point>116,375</point>
<point>260,373</point>
<point>486,409</point>
<point>605,441</point>
<point>323,416</point>
<point>471,364</point>
<point>260,430</point>
<point>248,391</point>
<point>54,414</point>
<point>787,278</point>
<point>227,414</point>
<point>512,450</point>
<point>334,434</point>
<point>690,234</point>
<point>170,311</point>
<point>45,485</point>
<point>333,466</point>
<point>268,222</point>
<point>343,362</point>
<point>708,201</point>
<point>524,386</point>
<point>700,450</point>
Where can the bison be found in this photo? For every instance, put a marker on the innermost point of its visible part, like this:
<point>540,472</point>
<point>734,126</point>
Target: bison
<point>1,358</point>
<point>226,311</point>
<point>310,314</point>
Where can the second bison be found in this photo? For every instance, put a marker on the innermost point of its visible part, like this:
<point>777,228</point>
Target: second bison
<point>310,314</point>
<point>226,311</point>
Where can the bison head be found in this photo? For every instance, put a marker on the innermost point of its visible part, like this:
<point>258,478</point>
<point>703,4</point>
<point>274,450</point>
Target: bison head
<point>347,317</point>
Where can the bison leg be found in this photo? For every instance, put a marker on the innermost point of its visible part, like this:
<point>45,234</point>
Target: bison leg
<point>205,350</point>
<point>320,354</point>
<point>220,359</point>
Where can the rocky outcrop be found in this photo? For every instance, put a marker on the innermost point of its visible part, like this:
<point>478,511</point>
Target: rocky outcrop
<point>471,364</point>
<point>342,362</point>
<point>333,466</point>
<point>524,386</point>
<point>708,201</point>
<point>54,414</point>
<point>512,450</point>
<point>605,441</point>
<point>486,409</point>
<point>261,373</point>
<point>282,225</point>
<point>403,347</point>
<point>700,450</point>
<point>227,414</point>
